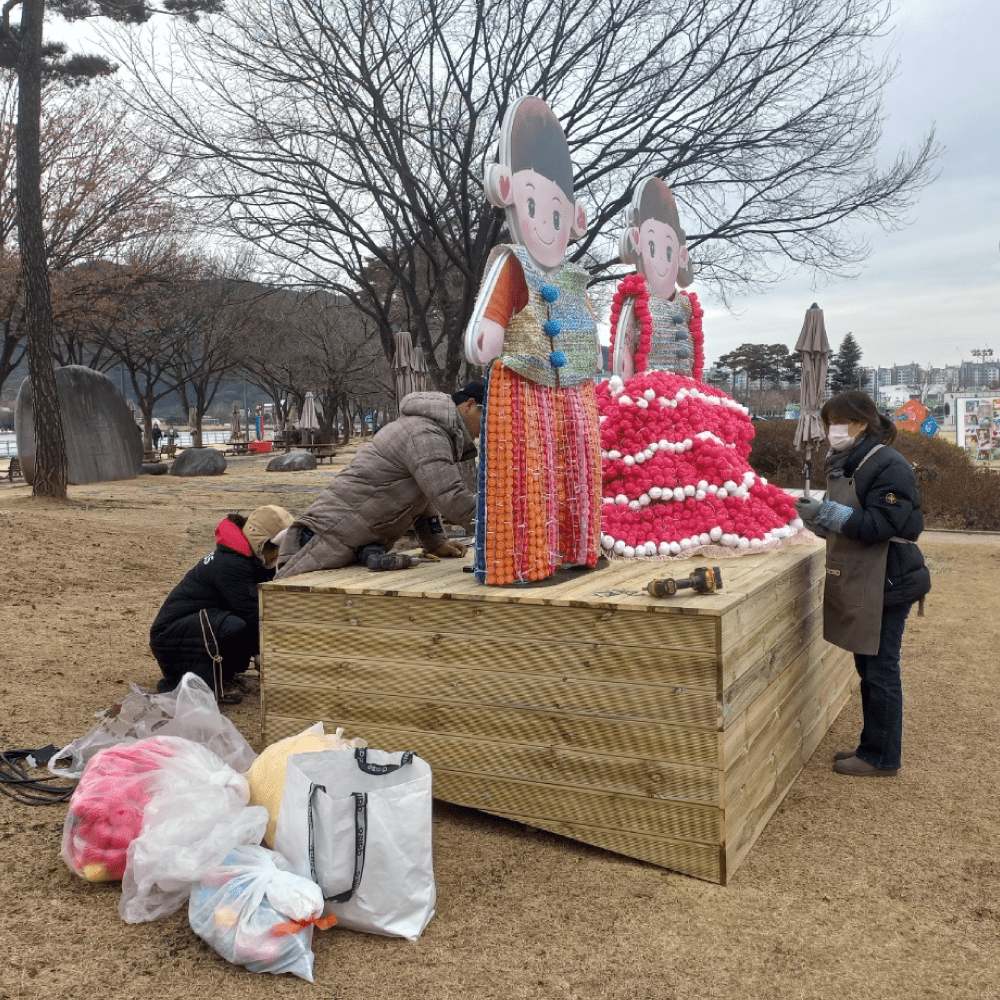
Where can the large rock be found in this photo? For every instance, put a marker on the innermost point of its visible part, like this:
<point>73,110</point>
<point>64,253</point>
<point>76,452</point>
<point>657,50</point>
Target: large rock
<point>103,441</point>
<point>198,462</point>
<point>155,468</point>
<point>294,461</point>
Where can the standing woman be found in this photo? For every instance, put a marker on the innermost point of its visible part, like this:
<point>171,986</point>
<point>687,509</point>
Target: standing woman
<point>871,519</point>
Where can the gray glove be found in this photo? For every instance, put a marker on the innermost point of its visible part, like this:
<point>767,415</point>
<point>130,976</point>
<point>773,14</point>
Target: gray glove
<point>808,507</point>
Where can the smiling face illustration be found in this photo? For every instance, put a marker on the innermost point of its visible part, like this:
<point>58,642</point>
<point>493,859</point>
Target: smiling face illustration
<point>544,215</point>
<point>659,256</point>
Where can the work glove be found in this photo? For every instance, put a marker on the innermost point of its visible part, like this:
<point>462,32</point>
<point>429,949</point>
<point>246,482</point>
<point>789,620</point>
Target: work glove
<point>808,507</point>
<point>832,515</point>
<point>449,550</point>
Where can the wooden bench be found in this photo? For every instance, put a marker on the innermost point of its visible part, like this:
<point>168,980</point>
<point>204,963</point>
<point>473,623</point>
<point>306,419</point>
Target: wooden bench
<point>321,452</point>
<point>14,470</point>
<point>238,448</point>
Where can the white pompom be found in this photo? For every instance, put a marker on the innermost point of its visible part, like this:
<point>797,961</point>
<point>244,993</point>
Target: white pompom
<point>619,547</point>
<point>755,543</point>
<point>629,552</point>
<point>644,500</point>
<point>638,458</point>
<point>664,444</point>
<point>624,400</point>
<point>685,544</point>
<point>607,541</point>
<point>675,548</point>
<point>742,543</point>
<point>654,447</point>
<point>615,384</point>
<point>730,486</point>
<point>687,444</point>
<point>762,481</point>
<point>702,484</point>
<point>614,454</point>
<point>643,404</point>
<point>704,538</point>
<point>629,460</point>
<point>700,494</point>
<point>663,549</point>
<point>713,489</point>
<point>715,534</point>
<point>678,494</point>
<point>721,492</point>
<point>650,548</point>
<point>689,490</point>
<point>650,394</point>
<point>728,539</point>
<point>797,523</point>
<point>633,504</point>
<point>621,499</point>
<point>655,492</point>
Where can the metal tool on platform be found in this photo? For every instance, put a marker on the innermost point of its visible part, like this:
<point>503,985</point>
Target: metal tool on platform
<point>704,580</point>
<point>385,561</point>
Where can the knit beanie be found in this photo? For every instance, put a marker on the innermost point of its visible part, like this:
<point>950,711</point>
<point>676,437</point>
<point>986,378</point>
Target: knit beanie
<point>262,525</point>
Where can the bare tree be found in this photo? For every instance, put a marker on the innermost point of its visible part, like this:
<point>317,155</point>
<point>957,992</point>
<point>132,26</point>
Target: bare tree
<point>347,138</point>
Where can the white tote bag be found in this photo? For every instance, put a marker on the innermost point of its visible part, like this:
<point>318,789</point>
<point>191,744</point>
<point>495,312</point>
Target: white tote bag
<point>358,822</point>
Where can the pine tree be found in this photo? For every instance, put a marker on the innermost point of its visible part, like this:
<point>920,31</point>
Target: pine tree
<point>22,49</point>
<point>845,370</point>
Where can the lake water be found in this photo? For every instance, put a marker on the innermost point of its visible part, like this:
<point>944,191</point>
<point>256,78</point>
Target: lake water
<point>8,443</point>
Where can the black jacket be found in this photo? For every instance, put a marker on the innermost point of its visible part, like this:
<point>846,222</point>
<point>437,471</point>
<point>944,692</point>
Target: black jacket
<point>890,507</point>
<point>224,584</point>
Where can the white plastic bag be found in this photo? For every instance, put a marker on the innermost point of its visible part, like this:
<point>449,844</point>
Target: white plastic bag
<point>196,814</point>
<point>358,822</point>
<point>248,910</point>
<point>189,711</point>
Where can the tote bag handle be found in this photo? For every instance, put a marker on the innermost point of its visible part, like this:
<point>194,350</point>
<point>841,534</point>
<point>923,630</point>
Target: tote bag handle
<point>360,821</point>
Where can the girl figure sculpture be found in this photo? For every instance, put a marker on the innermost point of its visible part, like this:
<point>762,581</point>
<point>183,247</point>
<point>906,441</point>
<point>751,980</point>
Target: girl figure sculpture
<point>676,472</point>
<point>539,470</point>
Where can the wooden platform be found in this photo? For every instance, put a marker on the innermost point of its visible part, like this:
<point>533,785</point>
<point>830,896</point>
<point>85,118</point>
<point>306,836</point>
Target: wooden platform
<point>667,730</point>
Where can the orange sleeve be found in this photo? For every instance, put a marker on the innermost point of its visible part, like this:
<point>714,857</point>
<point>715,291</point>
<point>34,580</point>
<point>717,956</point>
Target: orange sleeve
<point>509,295</point>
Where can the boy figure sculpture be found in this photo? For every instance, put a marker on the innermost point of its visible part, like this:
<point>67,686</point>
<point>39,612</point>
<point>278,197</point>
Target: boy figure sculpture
<point>540,463</point>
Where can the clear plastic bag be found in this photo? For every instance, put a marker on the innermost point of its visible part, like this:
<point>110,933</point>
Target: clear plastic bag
<point>189,711</point>
<point>196,814</point>
<point>254,911</point>
<point>105,812</point>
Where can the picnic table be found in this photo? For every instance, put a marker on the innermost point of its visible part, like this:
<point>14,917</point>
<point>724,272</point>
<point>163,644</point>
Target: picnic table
<point>321,452</point>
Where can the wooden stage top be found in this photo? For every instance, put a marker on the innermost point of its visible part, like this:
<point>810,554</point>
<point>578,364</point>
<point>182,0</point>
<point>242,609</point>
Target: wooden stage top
<point>616,584</point>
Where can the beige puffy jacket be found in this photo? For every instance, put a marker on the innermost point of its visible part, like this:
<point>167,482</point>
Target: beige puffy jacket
<point>408,469</point>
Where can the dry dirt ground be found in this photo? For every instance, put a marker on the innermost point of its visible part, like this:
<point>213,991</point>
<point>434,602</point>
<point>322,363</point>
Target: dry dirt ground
<point>856,888</point>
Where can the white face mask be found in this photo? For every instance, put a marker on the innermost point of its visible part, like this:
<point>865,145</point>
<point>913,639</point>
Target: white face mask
<point>839,437</point>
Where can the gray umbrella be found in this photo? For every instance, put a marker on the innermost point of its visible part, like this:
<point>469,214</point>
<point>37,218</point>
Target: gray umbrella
<point>309,421</point>
<point>815,350</point>
<point>404,366</point>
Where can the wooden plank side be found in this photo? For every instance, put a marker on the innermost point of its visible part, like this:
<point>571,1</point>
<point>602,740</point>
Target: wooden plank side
<point>746,830</point>
<point>290,710</point>
<point>758,779</point>
<point>684,856</point>
<point>610,773</point>
<point>655,665</point>
<point>552,624</point>
<point>539,802</point>
<point>799,641</point>
<point>496,688</point>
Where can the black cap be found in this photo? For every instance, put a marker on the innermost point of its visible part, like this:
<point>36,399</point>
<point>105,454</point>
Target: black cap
<point>474,390</point>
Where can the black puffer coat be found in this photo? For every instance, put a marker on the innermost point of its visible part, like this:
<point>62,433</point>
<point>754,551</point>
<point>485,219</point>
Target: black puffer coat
<point>224,586</point>
<point>890,507</point>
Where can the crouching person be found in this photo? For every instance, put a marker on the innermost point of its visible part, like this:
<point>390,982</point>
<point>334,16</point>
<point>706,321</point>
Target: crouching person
<point>209,623</point>
<point>407,476</point>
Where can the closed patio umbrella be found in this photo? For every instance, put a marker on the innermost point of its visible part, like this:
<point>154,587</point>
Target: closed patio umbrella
<point>404,366</point>
<point>309,421</point>
<point>236,424</point>
<point>815,350</point>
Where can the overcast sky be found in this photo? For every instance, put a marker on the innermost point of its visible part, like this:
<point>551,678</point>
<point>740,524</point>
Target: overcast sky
<point>929,292</point>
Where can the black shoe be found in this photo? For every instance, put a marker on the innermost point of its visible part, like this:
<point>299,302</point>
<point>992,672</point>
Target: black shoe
<point>232,696</point>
